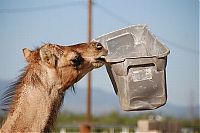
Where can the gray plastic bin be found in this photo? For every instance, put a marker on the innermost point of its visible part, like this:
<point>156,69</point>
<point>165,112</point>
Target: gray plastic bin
<point>136,65</point>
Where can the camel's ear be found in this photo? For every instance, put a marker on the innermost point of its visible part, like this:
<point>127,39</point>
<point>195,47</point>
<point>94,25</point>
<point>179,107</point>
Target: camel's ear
<point>27,54</point>
<point>47,56</point>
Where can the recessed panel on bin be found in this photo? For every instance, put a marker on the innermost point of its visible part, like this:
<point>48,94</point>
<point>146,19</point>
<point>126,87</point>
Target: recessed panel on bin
<point>136,66</point>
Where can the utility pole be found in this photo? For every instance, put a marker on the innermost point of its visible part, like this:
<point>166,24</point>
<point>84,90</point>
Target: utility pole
<point>89,116</point>
<point>86,127</point>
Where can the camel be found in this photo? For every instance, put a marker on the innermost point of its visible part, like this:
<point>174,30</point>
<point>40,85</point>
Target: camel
<point>39,92</point>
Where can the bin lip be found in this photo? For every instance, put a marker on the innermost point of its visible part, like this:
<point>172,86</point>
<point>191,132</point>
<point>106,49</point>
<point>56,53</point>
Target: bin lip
<point>120,59</point>
<point>136,25</point>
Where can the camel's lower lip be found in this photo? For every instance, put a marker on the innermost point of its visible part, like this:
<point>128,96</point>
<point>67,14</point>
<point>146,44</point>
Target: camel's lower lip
<point>98,64</point>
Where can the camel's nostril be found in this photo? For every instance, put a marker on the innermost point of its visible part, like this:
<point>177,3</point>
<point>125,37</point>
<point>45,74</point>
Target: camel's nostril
<point>99,46</point>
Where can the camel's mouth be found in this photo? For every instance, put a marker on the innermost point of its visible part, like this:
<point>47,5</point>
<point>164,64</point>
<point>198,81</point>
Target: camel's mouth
<point>100,61</point>
<point>101,58</point>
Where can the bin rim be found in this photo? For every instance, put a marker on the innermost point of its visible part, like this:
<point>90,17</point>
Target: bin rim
<point>132,26</point>
<point>135,25</point>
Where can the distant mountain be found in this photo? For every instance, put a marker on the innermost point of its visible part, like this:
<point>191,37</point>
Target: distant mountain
<point>3,86</point>
<point>103,102</point>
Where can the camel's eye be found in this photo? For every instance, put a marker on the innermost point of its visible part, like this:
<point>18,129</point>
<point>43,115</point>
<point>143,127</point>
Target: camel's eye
<point>77,60</point>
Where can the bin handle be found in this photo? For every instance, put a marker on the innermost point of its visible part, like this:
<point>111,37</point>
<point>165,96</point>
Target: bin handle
<point>159,63</point>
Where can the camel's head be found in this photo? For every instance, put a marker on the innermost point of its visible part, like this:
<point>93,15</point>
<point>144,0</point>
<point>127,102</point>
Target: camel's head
<point>66,64</point>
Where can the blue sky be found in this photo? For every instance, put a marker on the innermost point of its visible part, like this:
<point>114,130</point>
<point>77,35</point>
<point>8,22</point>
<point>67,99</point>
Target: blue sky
<point>175,22</point>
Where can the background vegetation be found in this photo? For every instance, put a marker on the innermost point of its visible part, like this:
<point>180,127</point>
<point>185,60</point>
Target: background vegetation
<point>116,119</point>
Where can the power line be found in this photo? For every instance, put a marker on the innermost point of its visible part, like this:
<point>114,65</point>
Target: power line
<point>42,8</point>
<point>189,50</point>
<point>122,20</point>
<point>112,14</point>
<point>102,8</point>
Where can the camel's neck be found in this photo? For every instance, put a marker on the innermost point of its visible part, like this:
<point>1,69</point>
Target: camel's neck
<point>35,109</point>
